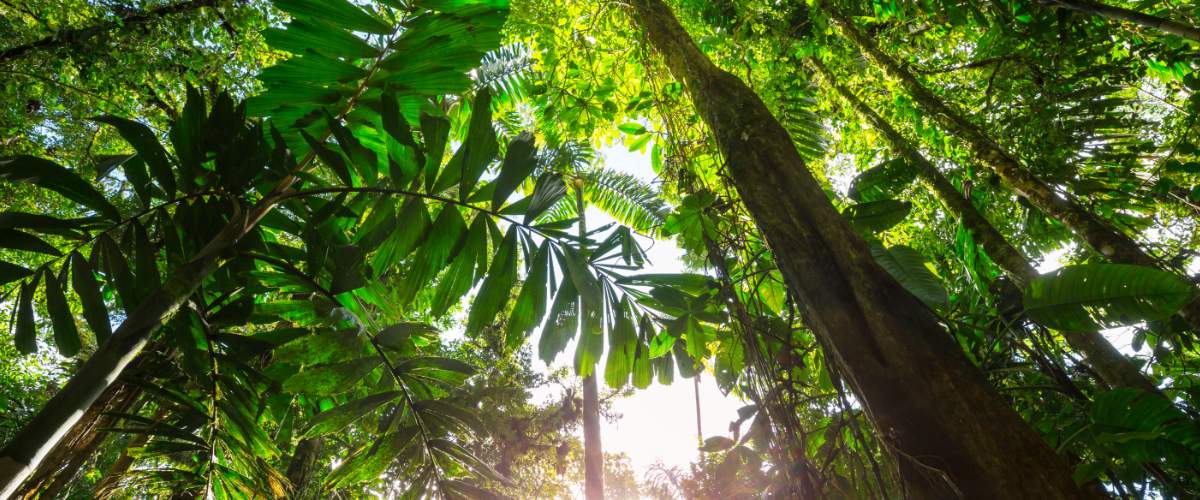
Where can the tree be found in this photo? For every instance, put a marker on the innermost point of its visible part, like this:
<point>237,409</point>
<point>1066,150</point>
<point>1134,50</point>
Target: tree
<point>793,212</point>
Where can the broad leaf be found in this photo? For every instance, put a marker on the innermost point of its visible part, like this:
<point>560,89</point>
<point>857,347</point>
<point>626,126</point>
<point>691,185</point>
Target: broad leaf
<point>328,422</point>
<point>907,266</point>
<point>47,174</point>
<point>1094,296</point>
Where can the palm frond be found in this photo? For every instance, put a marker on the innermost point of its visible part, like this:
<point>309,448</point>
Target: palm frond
<point>628,199</point>
<point>506,71</point>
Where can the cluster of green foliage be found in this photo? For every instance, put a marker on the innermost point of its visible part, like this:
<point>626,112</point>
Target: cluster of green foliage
<point>399,169</point>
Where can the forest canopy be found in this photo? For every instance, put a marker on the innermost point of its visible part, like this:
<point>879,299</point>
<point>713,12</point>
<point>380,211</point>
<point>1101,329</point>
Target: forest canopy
<point>345,248</point>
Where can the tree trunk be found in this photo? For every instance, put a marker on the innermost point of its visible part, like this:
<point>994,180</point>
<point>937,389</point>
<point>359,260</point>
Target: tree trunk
<point>1113,367</point>
<point>1097,233</point>
<point>593,452</point>
<point>304,461</point>
<point>1129,16</point>
<point>81,36</point>
<point>953,434</point>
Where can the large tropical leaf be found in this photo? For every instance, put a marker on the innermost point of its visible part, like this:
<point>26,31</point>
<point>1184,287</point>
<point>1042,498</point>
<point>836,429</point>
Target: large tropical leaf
<point>1093,296</point>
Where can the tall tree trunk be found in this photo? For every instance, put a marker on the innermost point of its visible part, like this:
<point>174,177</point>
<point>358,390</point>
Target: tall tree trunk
<point>304,461</point>
<point>953,434</point>
<point>1129,16</point>
<point>1112,366</point>
<point>1097,233</point>
<point>81,36</point>
<point>593,451</point>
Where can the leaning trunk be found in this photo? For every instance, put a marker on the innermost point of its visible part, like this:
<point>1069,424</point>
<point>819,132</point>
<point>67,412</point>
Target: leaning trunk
<point>1097,233</point>
<point>953,434</point>
<point>1113,367</point>
<point>1129,16</point>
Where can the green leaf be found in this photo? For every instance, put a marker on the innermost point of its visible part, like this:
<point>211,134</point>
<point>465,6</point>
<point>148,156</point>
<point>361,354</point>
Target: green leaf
<point>460,277</point>
<point>340,13</point>
<point>330,158</point>
<point>411,225</point>
<point>632,128</point>
<point>300,36</point>
<point>480,146</point>
<point>323,347</point>
<point>562,323</point>
<point>145,260</point>
<point>398,336</point>
<point>907,266</point>
<point>549,189</point>
<point>66,335</point>
<point>435,364</point>
<point>26,334</point>
<point>12,272</point>
<point>369,462</point>
<point>83,280</point>
<point>694,284</point>
<point>435,130</point>
<point>643,373</point>
<point>497,286</point>
<point>876,216</point>
<point>329,422</point>
<point>49,175</point>
<point>432,256</point>
<point>17,240</point>
<point>1095,296</point>
<point>328,380</point>
<point>882,181</point>
<point>148,148</point>
<point>463,417</point>
<point>348,274</point>
<point>519,162</point>
<point>361,158</point>
<point>530,307</point>
<point>116,269</point>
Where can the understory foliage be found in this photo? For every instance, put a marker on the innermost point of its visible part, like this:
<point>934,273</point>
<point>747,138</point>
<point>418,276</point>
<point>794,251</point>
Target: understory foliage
<point>405,181</point>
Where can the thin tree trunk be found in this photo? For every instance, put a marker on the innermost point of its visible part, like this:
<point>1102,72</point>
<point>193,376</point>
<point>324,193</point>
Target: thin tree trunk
<point>1128,16</point>
<point>1097,233</point>
<point>954,435</point>
<point>593,452</point>
<point>1109,363</point>
<point>81,36</point>
<point>304,461</point>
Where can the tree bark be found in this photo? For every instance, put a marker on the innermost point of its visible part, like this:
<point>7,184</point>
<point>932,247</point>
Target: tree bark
<point>1129,16</point>
<point>593,452</point>
<point>1113,367</point>
<point>81,36</point>
<point>953,434</point>
<point>1097,233</point>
